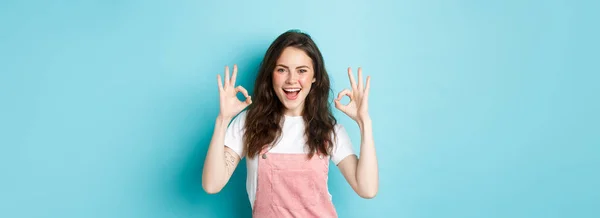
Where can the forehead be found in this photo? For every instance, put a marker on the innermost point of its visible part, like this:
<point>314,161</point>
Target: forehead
<point>292,57</point>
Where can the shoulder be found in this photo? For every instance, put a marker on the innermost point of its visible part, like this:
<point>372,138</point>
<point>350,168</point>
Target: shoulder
<point>237,125</point>
<point>339,129</point>
<point>240,119</point>
<point>342,145</point>
<point>340,136</point>
<point>242,115</point>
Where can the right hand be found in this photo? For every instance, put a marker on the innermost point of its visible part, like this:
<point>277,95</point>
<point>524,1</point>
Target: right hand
<point>229,104</point>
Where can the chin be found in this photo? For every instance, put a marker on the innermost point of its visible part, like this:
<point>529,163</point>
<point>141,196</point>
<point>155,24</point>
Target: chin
<point>291,105</point>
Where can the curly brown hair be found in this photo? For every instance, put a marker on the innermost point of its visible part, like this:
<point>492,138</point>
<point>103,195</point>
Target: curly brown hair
<point>264,117</point>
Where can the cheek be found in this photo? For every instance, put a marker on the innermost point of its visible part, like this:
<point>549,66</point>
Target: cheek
<point>306,80</point>
<point>278,79</point>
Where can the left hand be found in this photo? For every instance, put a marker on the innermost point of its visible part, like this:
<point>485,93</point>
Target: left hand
<point>358,107</point>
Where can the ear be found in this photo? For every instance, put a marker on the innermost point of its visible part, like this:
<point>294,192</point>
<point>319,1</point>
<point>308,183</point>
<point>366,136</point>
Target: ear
<point>314,80</point>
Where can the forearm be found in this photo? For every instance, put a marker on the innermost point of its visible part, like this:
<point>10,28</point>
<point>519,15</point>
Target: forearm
<point>367,173</point>
<point>214,172</point>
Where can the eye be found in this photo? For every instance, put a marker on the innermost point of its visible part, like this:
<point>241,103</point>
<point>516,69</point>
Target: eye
<point>303,70</point>
<point>281,70</point>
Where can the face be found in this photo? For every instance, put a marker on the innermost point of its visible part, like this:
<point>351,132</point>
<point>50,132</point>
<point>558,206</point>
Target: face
<point>292,78</point>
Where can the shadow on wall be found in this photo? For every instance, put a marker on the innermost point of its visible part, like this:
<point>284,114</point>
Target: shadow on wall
<point>232,201</point>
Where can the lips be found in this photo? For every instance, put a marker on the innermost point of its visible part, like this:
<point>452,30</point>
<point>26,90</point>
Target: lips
<point>291,93</point>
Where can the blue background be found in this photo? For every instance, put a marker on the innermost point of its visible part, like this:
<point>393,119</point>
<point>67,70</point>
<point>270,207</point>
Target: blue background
<point>480,108</point>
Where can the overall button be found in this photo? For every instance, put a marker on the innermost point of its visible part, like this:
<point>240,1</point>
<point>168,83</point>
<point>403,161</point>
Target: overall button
<point>264,156</point>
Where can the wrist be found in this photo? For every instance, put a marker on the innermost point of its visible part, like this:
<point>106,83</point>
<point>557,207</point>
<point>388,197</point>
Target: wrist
<point>223,120</point>
<point>364,121</point>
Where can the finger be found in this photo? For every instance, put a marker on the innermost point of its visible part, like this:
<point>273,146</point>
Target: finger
<point>343,93</point>
<point>367,87</point>
<point>340,106</point>
<point>234,75</point>
<point>242,90</point>
<point>352,83</point>
<point>226,77</point>
<point>220,82</point>
<point>360,80</point>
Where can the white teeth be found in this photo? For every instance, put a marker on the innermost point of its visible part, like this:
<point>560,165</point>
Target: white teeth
<point>291,90</point>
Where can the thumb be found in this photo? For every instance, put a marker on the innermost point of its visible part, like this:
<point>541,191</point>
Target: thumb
<point>340,106</point>
<point>248,100</point>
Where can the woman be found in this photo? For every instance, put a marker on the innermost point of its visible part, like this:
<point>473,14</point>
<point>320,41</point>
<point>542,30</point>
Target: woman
<point>288,134</point>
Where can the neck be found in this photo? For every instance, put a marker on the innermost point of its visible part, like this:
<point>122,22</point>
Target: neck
<point>293,113</point>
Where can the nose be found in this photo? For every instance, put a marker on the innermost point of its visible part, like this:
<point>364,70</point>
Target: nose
<point>292,78</point>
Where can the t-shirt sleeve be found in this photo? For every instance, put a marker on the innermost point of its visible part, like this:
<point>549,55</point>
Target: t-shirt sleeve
<point>342,146</point>
<point>235,133</point>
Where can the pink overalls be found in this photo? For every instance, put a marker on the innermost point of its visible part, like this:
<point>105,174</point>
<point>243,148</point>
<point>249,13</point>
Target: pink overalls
<point>291,185</point>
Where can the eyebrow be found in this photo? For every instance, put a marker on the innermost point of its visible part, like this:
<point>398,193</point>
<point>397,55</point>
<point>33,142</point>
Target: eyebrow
<point>303,66</point>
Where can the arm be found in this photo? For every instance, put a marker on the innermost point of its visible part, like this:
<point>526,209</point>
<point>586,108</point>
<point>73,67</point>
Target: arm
<point>362,174</point>
<point>220,162</point>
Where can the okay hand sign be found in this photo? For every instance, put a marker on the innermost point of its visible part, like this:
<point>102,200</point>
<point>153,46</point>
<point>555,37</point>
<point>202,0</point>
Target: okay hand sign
<point>358,107</point>
<point>229,104</point>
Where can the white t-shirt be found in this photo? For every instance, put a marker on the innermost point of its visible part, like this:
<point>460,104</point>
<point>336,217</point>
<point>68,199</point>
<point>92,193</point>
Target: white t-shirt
<point>292,141</point>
